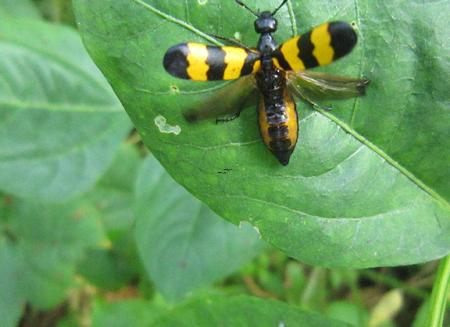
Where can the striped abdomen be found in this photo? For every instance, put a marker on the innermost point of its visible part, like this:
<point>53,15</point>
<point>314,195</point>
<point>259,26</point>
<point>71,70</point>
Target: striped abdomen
<point>278,126</point>
<point>200,62</point>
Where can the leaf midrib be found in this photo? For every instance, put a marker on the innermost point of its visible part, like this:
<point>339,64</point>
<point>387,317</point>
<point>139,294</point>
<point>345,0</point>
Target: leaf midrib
<point>78,147</point>
<point>405,172</point>
<point>178,22</point>
<point>333,118</point>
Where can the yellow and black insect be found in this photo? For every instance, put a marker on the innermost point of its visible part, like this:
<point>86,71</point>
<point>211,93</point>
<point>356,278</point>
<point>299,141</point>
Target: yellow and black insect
<point>279,71</point>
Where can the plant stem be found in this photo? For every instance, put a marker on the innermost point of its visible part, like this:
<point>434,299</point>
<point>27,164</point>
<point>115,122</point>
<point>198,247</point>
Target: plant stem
<point>440,294</point>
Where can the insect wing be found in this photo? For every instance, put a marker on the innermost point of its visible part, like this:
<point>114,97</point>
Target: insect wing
<point>229,100</point>
<point>318,47</point>
<point>200,62</point>
<point>321,86</point>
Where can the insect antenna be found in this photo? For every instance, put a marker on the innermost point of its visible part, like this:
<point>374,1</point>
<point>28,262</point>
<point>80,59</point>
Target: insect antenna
<point>281,5</point>
<point>246,7</point>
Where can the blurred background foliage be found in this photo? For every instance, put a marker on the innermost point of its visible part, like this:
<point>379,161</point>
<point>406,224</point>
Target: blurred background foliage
<point>131,245</point>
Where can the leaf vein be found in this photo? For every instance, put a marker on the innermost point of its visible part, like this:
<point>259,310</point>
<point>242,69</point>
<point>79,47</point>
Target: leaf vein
<point>292,18</point>
<point>379,215</point>
<point>65,151</point>
<point>177,21</point>
<point>386,157</point>
<point>64,107</point>
<point>361,59</point>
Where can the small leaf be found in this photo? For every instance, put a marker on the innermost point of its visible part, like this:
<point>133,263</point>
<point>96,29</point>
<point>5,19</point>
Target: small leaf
<point>61,123</point>
<point>45,243</point>
<point>242,311</point>
<point>386,309</point>
<point>348,312</point>
<point>182,243</point>
<point>421,317</point>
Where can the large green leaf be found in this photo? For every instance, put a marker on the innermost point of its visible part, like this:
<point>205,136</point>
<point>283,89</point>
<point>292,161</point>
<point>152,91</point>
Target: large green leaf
<point>60,122</point>
<point>183,244</point>
<point>368,184</point>
<point>51,240</point>
<point>241,311</point>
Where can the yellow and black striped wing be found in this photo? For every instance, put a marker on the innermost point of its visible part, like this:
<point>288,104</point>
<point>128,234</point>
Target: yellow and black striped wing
<point>200,62</point>
<point>319,47</point>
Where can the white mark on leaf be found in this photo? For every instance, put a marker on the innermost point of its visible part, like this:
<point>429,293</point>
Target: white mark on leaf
<point>202,2</point>
<point>161,123</point>
<point>237,35</point>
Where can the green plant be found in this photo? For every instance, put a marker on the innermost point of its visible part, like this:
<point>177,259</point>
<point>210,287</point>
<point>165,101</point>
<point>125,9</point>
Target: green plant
<point>94,231</point>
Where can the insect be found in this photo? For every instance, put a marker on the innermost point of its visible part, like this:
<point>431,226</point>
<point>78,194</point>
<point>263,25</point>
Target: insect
<point>276,72</point>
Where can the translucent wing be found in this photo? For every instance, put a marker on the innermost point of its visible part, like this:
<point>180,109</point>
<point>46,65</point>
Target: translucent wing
<point>318,47</point>
<point>200,62</point>
<point>229,100</point>
<point>319,86</point>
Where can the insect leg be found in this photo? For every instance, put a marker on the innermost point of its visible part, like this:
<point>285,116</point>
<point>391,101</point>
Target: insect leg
<point>228,118</point>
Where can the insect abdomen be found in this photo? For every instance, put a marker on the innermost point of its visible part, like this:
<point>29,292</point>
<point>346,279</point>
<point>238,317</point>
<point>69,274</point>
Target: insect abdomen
<point>200,62</point>
<point>279,127</point>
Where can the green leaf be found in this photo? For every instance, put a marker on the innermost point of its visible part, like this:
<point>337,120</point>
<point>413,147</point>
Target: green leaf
<point>368,184</point>
<point>61,123</point>
<point>41,245</point>
<point>114,193</point>
<point>68,321</point>
<point>113,198</point>
<point>182,243</point>
<point>241,311</point>
<point>19,8</point>
<point>126,313</point>
<point>348,312</point>
<point>421,316</point>
<point>12,302</point>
